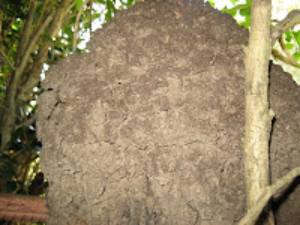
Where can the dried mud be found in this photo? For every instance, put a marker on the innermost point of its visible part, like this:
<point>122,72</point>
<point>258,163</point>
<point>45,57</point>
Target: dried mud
<point>147,127</point>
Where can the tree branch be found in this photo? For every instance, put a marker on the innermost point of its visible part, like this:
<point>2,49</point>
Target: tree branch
<point>27,122</point>
<point>292,19</point>
<point>278,187</point>
<point>35,70</point>
<point>33,43</point>
<point>76,27</point>
<point>6,59</point>
<point>26,32</point>
<point>8,116</point>
<point>258,116</point>
<point>288,59</point>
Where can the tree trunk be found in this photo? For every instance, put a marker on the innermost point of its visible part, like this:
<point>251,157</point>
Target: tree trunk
<point>147,127</point>
<point>258,116</point>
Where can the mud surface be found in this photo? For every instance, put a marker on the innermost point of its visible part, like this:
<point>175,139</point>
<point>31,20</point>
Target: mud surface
<point>147,127</point>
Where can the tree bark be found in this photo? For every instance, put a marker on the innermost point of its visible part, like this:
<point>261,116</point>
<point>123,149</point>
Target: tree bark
<point>258,116</point>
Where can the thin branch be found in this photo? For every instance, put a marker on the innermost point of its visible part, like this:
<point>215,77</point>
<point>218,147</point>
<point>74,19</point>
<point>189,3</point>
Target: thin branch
<point>288,59</point>
<point>26,32</point>
<point>292,19</point>
<point>26,122</point>
<point>36,67</point>
<point>6,59</point>
<point>278,187</point>
<point>76,27</point>
<point>59,17</point>
<point>8,116</point>
<point>285,57</point>
<point>44,11</point>
<point>33,43</point>
<point>1,21</point>
<point>258,115</point>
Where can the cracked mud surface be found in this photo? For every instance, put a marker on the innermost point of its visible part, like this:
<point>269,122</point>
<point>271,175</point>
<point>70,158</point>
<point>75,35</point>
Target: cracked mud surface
<point>147,127</point>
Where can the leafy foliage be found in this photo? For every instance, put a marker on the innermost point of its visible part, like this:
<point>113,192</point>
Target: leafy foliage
<point>287,51</point>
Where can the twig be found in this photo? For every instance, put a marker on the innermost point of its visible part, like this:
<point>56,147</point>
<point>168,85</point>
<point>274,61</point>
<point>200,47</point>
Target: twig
<point>26,32</point>
<point>76,26</point>
<point>64,8</point>
<point>35,70</point>
<point>1,22</point>
<point>279,186</point>
<point>26,122</point>
<point>8,116</point>
<point>33,43</point>
<point>292,19</point>
<point>285,58</point>
<point>6,59</point>
<point>46,8</point>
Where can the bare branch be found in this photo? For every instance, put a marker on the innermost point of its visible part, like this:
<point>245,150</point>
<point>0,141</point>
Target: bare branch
<point>59,17</point>
<point>288,59</point>
<point>1,20</point>
<point>258,115</point>
<point>76,27</point>
<point>46,8</point>
<point>26,122</point>
<point>26,32</point>
<point>285,57</point>
<point>13,90</point>
<point>292,19</point>
<point>6,59</point>
<point>35,70</point>
<point>33,44</point>
<point>8,116</point>
<point>278,187</point>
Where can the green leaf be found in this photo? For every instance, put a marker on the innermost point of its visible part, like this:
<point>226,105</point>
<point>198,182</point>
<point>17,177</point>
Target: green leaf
<point>231,11</point>
<point>288,36</point>
<point>127,3</point>
<point>212,3</point>
<point>289,46</point>
<point>78,4</point>
<point>110,7</point>
<point>297,37</point>
<point>245,11</point>
<point>296,56</point>
<point>247,22</point>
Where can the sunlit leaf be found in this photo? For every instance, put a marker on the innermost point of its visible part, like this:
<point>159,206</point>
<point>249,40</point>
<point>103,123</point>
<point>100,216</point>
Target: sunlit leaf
<point>289,46</point>
<point>78,4</point>
<point>296,56</point>
<point>297,37</point>
<point>231,11</point>
<point>245,11</point>
<point>288,36</point>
